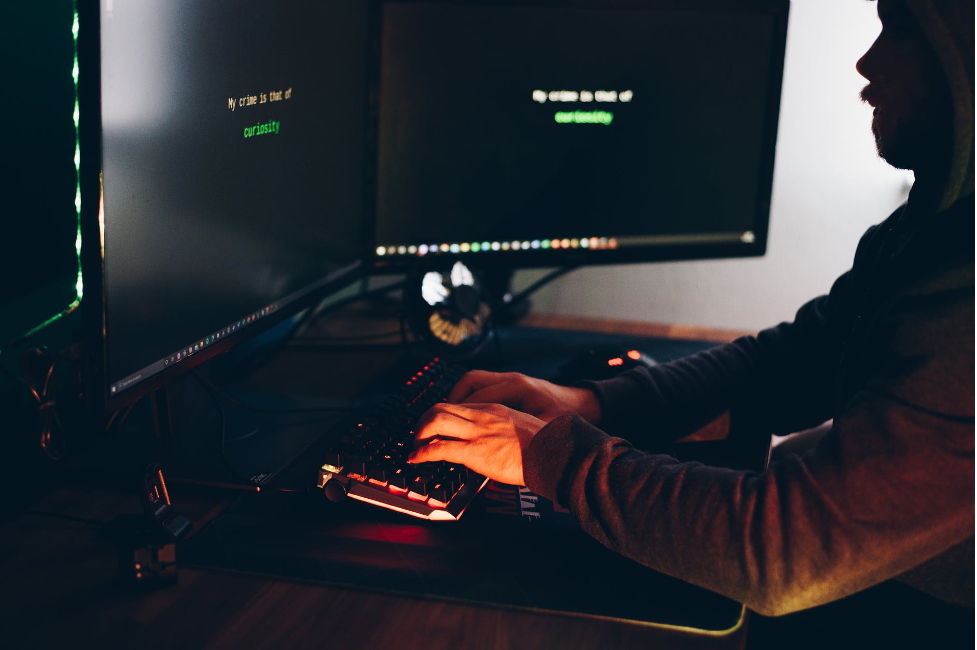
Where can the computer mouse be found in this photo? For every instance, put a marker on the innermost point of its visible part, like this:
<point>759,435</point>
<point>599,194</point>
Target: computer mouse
<point>603,363</point>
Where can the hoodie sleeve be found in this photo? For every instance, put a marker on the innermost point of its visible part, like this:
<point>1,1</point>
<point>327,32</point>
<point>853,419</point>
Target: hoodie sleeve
<point>778,381</point>
<point>890,486</point>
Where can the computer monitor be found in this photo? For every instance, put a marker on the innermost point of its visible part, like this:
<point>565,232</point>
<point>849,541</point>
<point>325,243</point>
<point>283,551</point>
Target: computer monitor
<point>226,143</point>
<point>552,132</point>
<point>226,140</point>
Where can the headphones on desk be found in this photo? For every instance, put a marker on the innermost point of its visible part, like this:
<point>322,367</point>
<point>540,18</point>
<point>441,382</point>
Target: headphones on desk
<point>446,308</point>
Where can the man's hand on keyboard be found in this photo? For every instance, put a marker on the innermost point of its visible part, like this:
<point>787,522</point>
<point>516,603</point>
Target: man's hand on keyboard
<point>487,438</point>
<point>536,397</point>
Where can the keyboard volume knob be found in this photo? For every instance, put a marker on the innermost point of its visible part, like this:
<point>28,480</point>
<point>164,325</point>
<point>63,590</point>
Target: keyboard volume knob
<point>335,491</point>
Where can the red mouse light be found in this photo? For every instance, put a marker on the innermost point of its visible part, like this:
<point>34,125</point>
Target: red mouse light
<point>616,361</point>
<point>634,354</point>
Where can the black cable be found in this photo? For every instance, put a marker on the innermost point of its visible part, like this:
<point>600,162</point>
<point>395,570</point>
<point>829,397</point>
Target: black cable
<point>125,414</point>
<point>360,337</point>
<point>50,430</point>
<point>327,347</point>
<point>20,379</point>
<point>349,300</point>
<point>248,484</point>
<point>23,338</point>
<point>311,315</point>
<point>236,487</point>
<point>257,409</point>
<point>214,392</point>
<point>305,319</point>
<point>379,291</point>
<point>539,284</point>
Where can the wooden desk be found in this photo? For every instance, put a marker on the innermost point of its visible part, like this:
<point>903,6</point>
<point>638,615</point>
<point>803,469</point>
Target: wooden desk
<point>61,590</point>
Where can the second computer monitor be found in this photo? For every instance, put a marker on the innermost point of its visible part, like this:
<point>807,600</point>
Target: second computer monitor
<point>588,132</point>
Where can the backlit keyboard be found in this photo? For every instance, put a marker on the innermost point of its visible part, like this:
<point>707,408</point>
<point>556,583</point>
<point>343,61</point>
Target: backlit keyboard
<point>369,460</point>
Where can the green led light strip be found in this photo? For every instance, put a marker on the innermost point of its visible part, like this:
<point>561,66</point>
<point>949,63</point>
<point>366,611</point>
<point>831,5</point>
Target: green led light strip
<point>79,285</point>
<point>79,288</point>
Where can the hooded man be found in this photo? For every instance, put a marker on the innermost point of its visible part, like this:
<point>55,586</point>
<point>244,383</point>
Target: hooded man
<point>887,355</point>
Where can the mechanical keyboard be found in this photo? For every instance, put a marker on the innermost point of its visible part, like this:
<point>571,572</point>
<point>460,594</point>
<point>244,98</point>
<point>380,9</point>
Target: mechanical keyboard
<point>368,461</point>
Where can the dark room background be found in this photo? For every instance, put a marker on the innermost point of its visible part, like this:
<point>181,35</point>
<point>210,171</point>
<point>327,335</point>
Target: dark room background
<point>38,264</point>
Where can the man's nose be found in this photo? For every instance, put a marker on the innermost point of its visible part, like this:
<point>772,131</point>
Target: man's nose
<point>865,66</point>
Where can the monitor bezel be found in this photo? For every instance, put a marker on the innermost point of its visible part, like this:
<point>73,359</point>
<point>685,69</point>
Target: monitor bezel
<point>515,259</point>
<point>99,403</point>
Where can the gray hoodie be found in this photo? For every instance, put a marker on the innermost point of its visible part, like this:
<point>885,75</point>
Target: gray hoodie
<point>888,354</point>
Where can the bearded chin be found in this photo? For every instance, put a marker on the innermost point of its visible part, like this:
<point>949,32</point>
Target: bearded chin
<point>889,146</point>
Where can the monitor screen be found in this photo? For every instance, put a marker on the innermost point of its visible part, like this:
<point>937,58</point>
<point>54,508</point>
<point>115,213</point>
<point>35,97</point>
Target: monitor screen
<point>541,133</point>
<point>232,148</point>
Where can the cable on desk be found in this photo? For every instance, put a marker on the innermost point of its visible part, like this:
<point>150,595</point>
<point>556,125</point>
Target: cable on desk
<point>368,293</point>
<point>327,347</point>
<point>215,393</point>
<point>333,343</point>
<point>41,388</point>
<point>257,409</point>
<point>311,314</point>
<point>360,337</point>
<point>235,487</point>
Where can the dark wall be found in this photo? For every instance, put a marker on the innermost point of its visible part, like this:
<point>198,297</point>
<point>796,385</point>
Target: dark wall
<point>37,213</point>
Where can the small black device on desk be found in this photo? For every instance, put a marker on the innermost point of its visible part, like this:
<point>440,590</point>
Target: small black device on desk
<point>602,363</point>
<point>147,542</point>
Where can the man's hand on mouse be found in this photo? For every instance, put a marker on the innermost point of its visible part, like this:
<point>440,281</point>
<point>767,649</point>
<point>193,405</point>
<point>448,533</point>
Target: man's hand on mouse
<point>536,397</point>
<point>490,439</point>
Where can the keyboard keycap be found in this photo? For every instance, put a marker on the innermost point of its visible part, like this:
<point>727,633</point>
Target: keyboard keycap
<point>441,492</point>
<point>419,486</point>
<point>399,478</point>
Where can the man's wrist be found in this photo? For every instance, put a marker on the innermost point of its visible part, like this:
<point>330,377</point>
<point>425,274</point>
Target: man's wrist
<point>589,406</point>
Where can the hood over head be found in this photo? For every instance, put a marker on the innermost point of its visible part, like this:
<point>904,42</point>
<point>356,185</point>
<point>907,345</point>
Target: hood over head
<point>949,28</point>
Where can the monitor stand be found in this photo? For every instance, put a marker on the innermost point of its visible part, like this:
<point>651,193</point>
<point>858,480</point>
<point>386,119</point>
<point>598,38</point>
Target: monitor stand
<point>497,285</point>
<point>508,307</point>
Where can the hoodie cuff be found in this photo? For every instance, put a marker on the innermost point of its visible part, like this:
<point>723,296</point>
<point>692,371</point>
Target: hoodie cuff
<point>555,451</point>
<point>614,395</point>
